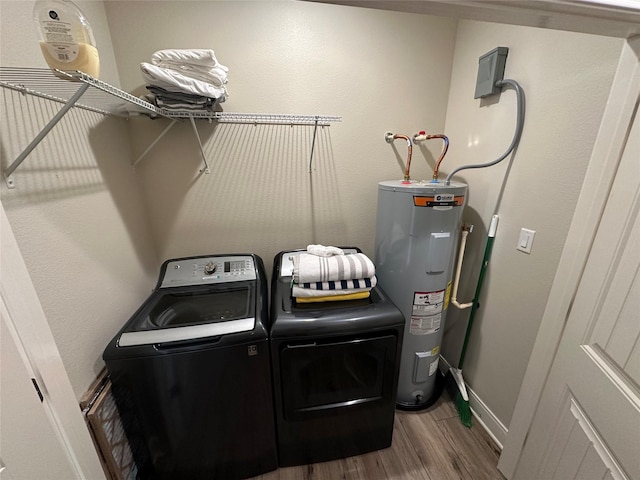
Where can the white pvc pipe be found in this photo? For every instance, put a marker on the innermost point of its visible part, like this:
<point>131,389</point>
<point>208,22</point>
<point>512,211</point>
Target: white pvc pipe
<point>456,280</point>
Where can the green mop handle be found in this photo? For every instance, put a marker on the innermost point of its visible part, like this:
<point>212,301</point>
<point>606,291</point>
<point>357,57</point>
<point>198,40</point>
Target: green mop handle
<point>485,261</point>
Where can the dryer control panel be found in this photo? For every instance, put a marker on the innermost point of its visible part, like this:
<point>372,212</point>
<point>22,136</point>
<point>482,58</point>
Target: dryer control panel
<point>208,270</point>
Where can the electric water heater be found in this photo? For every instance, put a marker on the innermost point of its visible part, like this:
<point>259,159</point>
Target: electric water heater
<point>417,231</point>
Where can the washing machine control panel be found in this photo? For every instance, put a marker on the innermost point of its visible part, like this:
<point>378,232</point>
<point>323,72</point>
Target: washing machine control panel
<point>208,270</point>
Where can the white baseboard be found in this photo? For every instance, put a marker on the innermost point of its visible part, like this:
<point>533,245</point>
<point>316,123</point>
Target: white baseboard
<point>483,415</point>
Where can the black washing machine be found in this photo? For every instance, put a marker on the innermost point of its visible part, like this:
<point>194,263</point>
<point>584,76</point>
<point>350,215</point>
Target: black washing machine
<point>335,372</point>
<point>191,372</point>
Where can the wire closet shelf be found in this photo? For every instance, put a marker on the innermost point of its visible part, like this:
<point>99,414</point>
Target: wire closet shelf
<point>79,90</point>
<point>60,86</point>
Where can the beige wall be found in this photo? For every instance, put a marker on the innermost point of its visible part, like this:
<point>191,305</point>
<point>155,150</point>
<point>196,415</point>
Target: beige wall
<point>89,240</point>
<point>566,79</point>
<point>76,210</point>
<point>380,71</point>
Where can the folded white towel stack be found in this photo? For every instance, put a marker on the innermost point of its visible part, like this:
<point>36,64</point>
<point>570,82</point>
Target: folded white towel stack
<point>322,251</point>
<point>200,64</point>
<point>204,57</point>
<point>329,272</point>
<point>176,81</point>
<point>194,73</point>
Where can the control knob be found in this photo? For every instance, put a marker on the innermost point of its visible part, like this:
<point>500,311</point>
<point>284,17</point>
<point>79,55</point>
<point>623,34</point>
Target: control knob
<point>210,268</point>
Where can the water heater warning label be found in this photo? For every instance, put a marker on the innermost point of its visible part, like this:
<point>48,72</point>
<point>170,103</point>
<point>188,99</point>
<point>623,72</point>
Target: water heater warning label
<point>425,325</point>
<point>426,312</point>
<point>428,302</point>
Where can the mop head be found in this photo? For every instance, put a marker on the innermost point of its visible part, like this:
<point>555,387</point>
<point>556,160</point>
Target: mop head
<point>458,393</point>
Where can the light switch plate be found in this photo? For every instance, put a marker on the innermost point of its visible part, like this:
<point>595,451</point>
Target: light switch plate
<point>525,240</point>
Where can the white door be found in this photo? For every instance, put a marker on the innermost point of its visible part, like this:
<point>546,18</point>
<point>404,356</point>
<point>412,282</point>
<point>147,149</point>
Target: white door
<point>587,425</point>
<point>44,439</point>
<point>29,446</point>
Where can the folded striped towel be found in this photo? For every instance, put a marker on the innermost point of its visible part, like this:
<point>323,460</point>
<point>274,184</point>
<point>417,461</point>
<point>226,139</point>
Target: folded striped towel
<point>309,268</point>
<point>299,292</point>
<point>334,298</point>
<point>356,283</point>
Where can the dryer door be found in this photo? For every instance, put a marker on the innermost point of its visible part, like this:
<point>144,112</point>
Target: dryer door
<point>319,377</point>
<point>188,313</point>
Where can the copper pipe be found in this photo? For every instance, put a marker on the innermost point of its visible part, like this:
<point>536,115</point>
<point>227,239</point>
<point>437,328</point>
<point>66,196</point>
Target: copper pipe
<point>445,147</point>
<point>409,153</point>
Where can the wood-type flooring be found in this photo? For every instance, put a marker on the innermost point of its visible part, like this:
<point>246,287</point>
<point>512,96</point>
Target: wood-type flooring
<point>431,444</point>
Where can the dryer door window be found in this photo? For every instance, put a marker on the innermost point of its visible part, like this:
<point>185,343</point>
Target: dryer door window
<point>318,377</point>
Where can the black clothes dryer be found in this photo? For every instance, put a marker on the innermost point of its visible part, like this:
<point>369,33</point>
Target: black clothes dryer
<point>191,372</point>
<point>335,372</point>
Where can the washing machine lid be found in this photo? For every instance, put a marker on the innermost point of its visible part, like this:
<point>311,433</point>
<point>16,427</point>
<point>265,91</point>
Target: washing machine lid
<point>179,314</point>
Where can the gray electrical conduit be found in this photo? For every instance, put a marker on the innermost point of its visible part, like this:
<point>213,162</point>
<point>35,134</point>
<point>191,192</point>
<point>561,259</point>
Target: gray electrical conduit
<point>514,144</point>
<point>516,136</point>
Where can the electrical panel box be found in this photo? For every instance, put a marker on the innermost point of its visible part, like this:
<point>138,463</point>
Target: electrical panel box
<point>490,70</point>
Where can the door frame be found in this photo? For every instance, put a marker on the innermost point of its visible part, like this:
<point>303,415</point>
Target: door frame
<point>601,171</point>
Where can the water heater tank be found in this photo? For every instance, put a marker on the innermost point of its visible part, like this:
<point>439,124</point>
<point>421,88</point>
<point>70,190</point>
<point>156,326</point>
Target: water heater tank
<point>417,231</point>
